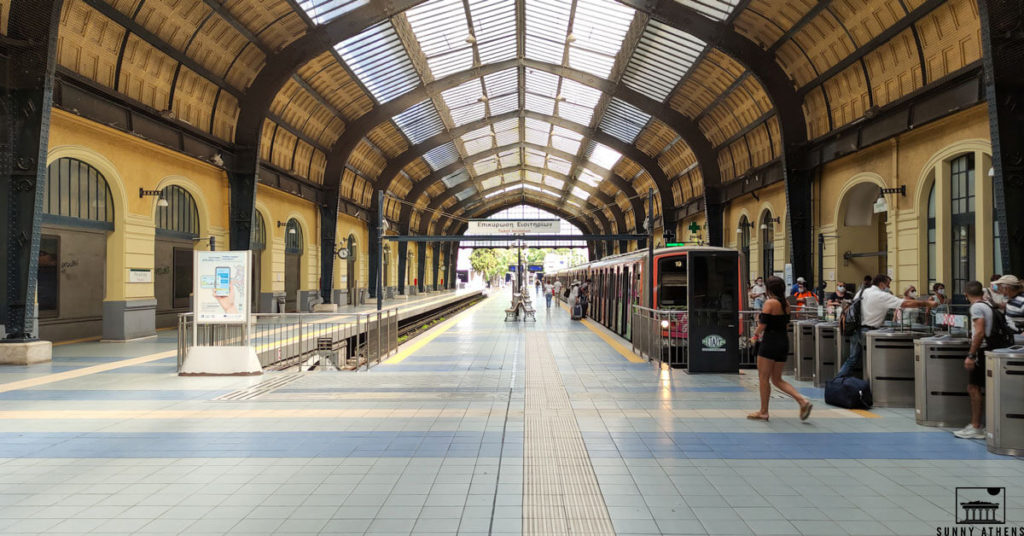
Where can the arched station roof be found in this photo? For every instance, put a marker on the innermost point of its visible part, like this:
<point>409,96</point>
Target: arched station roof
<point>584,103</point>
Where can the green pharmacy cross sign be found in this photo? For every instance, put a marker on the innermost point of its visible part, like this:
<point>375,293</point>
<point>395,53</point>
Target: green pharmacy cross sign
<point>694,228</point>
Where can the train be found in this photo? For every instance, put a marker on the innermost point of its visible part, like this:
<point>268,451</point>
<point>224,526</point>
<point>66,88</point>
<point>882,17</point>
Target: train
<point>706,286</point>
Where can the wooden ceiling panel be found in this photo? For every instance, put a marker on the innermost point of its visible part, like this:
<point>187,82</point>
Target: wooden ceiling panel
<point>775,134</point>
<point>677,159</point>
<point>281,101</point>
<point>627,169</point>
<point>718,123</point>
<point>740,156</point>
<point>435,190</point>
<point>766,21</point>
<point>272,21</point>
<point>126,7</point>
<point>88,43</point>
<point>824,40</point>
<point>317,166</point>
<point>388,139</point>
<point>864,22</point>
<point>283,149</point>
<point>216,45</point>
<point>418,169</point>
<point>816,113</point>
<point>400,186</point>
<point>756,92</point>
<point>760,30</point>
<point>244,69</point>
<point>759,141</point>
<point>368,161</point>
<point>726,166</point>
<point>333,82</point>
<point>193,99</point>
<point>706,81</point>
<point>146,73</point>
<point>173,21</point>
<point>894,69</point>
<point>655,138</point>
<point>300,161</point>
<point>794,61</point>
<point>266,137</point>
<point>950,37</point>
<point>678,196</point>
<point>847,95</point>
<point>226,117</point>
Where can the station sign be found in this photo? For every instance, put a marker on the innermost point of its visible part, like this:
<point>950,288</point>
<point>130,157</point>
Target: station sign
<point>513,227</point>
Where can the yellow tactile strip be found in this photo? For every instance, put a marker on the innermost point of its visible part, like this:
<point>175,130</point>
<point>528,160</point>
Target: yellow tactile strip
<point>560,490</point>
<point>84,371</point>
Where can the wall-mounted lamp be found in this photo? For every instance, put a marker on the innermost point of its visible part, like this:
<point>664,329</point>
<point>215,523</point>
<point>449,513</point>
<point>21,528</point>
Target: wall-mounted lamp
<point>161,202</point>
<point>741,225</point>
<point>776,220</point>
<point>283,224</point>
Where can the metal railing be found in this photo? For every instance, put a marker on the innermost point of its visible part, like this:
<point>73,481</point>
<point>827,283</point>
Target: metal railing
<point>660,336</point>
<point>288,339</point>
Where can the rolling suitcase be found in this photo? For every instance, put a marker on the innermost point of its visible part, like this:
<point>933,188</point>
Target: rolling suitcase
<point>577,311</point>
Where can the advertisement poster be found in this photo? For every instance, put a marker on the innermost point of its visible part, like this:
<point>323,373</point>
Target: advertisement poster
<point>221,287</point>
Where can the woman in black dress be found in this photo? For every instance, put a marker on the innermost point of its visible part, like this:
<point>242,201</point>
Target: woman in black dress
<point>771,354</point>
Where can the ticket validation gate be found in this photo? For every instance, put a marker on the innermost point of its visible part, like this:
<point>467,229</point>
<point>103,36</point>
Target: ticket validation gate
<point>804,349</point>
<point>825,351</point>
<point>889,366</point>
<point>940,385</point>
<point>1004,400</point>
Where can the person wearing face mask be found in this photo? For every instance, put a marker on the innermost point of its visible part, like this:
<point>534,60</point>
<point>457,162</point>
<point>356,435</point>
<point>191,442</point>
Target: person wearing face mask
<point>875,303</point>
<point>802,293</point>
<point>938,298</point>
<point>991,293</point>
<point>1012,292</point>
<point>758,293</point>
<point>840,296</point>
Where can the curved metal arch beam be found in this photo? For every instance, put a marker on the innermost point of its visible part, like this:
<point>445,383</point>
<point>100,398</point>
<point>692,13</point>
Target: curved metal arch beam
<point>783,94</point>
<point>581,214</point>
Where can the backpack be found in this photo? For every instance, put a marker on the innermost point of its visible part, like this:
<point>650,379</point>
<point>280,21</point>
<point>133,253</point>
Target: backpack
<point>850,320</point>
<point>1001,336</point>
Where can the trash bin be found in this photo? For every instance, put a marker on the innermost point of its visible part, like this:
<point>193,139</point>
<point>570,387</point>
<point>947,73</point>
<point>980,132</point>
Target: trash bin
<point>362,296</point>
<point>889,366</point>
<point>804,348</point>
<point>940,384</point>
<point>825,352</point>
<point>280,301</point>
<point>789,367</point>
<point>1004,400</point>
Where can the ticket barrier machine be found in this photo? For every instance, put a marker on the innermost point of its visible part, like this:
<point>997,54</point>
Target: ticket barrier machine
<point>804,349</point>
<point>940,385</point>
<point>825,352</point>
<point>789,366</point>
<point>1004,401</point>
<point>889,366</point>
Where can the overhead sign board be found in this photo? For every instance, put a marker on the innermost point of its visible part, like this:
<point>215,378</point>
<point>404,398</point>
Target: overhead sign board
<point>513,227</point>
<point>221,287</point>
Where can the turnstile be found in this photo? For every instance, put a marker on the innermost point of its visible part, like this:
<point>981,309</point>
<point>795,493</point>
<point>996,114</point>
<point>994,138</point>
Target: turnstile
<point>1004,400</point>
<point>825,351</point>
<point>789,366</point>
<point>889,366</point>
<point>940,384</point>
<point>804,349</point>
<point>843,352</point>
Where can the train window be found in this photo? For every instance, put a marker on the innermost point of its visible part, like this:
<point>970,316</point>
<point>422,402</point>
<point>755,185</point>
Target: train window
<point>672,283</point>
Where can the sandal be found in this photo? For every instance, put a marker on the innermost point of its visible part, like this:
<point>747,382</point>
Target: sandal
<point>805,410</point>
<point>758,416</point>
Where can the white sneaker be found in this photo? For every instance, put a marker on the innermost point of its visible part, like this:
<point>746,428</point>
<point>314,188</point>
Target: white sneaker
<point>970,432</point>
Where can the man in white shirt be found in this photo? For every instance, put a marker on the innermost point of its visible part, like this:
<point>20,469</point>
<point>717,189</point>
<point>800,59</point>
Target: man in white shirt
<point>874,305</point>
<point>757,294</point>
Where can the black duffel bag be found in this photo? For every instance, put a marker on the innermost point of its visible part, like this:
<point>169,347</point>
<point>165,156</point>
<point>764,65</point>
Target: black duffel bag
<point>848,392</point>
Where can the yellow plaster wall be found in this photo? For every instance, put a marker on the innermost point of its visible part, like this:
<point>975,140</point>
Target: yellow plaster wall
<point>347,225</point>
<point>773,199</point>
<point>277,206</point>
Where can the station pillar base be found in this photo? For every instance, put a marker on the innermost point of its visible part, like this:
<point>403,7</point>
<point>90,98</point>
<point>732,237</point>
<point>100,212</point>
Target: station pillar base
<point>26,353</point>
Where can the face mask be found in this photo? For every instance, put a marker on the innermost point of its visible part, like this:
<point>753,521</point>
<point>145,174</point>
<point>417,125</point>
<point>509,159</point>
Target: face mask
<point>941,292</point>
<point>995,288</point>
<point>800,288</point>
<point>841,289</point>
<point>913,295</point>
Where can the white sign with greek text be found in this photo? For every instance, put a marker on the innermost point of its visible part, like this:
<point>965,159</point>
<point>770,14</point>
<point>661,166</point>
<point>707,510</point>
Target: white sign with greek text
<point>221,287</point>
<point>512,227</point>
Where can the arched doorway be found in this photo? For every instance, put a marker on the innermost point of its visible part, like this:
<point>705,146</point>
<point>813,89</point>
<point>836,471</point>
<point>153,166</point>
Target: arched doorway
<point>862,242</point>
<point>177,228</point>
<point>767,244</point>
<point>293,247</point>
<point>258,246</point>
<point>78,215</point>
<point>352,271</point>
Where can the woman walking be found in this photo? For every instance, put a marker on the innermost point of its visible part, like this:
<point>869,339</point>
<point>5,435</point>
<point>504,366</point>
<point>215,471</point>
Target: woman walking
<point>771,354</point>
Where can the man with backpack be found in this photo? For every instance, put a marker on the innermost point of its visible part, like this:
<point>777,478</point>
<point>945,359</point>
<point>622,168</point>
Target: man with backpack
<point>867,312</point>
<point>989,331</point>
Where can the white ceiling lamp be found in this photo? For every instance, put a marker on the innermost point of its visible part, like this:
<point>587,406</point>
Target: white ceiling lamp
<point>471,39</point>
<point>571,38</point>
<point>560,98</point>
<point>483,99</point>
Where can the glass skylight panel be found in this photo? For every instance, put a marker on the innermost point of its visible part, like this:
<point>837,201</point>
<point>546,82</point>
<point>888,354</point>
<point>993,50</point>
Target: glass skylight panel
<point>558,165</point>
<point>509,158</point>
<point>573,203</point>
<point>441,29</point>
<point>541,83</point>
<point>441,157</point>
<point>623,120</point>
<point>478,140</point>
<point>465,194</point>
<point>504,104</point>
<point>491,183</point>
<point>714,9</point>
<point>598,27</point>
<point>533,176</point>
<point>420,122</point>
<point>485,165</point>
<point>456,178</point>
<point>321,11</point>
<point>502,82</point>
<point>535,158</point>
<point>547,25</point>
<point>590,178</point>
<point>463,102</point>
<point>604,156</point>
<point>378,58</point>
<point>538,104</point>
<point>661,58</point>
<point>536,136</point>
<point>579,102</point>
<point>512,177</point>
<point>494,26</point>
<point>565,140</point>
<point>579,192</point>
<point>507,136</point>
<point>553,182</point>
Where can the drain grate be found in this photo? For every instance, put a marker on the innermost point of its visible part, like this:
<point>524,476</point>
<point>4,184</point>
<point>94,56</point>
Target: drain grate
<point>269,385</point>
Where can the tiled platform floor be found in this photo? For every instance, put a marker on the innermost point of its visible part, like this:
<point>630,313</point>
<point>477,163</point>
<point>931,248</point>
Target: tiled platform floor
<point>449,439</point>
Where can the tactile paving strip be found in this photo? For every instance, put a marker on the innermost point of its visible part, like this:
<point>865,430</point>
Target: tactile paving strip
<point>560,490</point>
<point>268,385</point>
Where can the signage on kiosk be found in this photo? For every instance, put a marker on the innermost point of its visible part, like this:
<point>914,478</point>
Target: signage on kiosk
<point>220,295</point>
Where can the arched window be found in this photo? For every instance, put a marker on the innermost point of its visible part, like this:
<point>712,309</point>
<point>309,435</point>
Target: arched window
<point>259,233</point>
<point>77,192</point>
<point>743,235</point>
<point>293,238</point>
<point>961,195</point>
<point>932,267</point>
<point>180,216</point>
<point>767,245</point>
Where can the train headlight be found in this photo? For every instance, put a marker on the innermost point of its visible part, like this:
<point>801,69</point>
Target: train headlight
<point>664,324</point>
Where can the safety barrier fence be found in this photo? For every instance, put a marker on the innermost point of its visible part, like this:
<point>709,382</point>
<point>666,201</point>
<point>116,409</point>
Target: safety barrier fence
<point>660,335</point>
<point>354,339</point>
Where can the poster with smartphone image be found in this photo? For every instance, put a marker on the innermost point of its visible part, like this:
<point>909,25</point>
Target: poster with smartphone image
<point>221,287</point>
